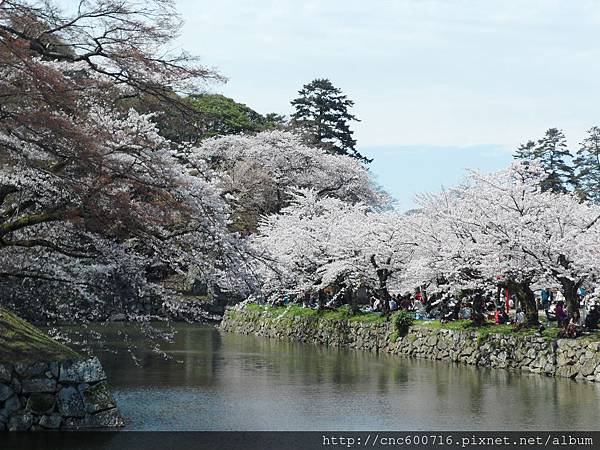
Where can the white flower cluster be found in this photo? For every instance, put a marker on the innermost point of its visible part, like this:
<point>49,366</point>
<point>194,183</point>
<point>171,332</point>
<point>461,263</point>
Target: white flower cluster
<point>497,227</point>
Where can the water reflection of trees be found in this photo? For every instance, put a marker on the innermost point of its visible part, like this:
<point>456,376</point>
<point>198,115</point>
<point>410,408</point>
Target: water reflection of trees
<point>191,358</point>
<point>501,399</point>
<point>320,382</point>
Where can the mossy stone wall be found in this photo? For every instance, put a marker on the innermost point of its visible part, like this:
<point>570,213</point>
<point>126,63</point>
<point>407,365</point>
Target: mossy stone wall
<point>570,358</point>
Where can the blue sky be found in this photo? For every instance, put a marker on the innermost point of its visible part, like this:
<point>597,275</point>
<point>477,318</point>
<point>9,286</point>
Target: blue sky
<point>439,85</point>
<point>405,171</point>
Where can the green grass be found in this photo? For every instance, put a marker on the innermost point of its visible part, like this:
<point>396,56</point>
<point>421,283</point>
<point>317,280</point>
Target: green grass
<point>292,310</point>
<point>342,313</point>
<point>368,317</point>
<point>20,341</point>
<point>592,337</point>
<point>454,325</point>
<point>489,328</point>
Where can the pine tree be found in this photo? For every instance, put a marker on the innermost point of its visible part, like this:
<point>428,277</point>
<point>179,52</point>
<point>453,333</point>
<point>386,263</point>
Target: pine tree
<point>551,152</point>
<point>587,164</point>
<point>525,152</point>
<point>322,111</point>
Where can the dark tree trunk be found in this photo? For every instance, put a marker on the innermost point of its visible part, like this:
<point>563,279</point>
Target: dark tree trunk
<point>306,300</point>
<point>385,297</point>
<point>456,309</point>
<point>478,315</point>
<point>569,288</point>
<point>526,297</point>
<point>382,274</point>
<point>352,300</point>
<point>321,299</point>
<point>383,292</point>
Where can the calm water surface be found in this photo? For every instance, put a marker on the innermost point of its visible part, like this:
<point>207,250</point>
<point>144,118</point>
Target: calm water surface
<point>219,381</point>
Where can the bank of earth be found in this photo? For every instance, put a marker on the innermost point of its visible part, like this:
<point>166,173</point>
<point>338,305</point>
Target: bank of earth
<point>492,346</point>
<point>46,385</point>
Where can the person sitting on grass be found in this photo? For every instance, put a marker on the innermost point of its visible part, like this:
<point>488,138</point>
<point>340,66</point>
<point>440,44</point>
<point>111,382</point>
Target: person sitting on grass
<point>377,304</point>
<point>560,313</point>
<point>501,317</point>
<point>406,303</point>
<point>520,316</point>
<point>592,319</point>
<point>574,325</point>
<point>466,312</point>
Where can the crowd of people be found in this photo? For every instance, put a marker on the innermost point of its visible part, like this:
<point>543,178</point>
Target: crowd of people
<point>552,302</point>
<point>443,307</point>
<point>498,306</point>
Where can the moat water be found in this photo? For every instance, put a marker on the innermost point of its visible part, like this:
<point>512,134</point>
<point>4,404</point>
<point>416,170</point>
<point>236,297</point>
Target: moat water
<point>218,381</point>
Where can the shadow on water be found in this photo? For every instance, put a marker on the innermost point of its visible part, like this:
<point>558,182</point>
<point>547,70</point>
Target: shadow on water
<point>219,381</point>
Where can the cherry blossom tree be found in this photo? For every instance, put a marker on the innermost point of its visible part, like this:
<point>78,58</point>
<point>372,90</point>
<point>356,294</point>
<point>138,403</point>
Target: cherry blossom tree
<point>502,227</point>
<point>319,241</point>
<point>496,229</point>
<point>448,258</point>
<point>371,248</point>
<point>296,243</point>
<point>258,171</point>
<point>89,190</point>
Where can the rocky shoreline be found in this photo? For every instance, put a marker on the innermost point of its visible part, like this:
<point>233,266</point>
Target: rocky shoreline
<point>577,359</point>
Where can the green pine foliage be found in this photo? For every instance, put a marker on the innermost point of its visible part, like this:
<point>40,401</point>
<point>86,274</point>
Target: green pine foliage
<point>525,152</point>
<point>587,164</point>
<point>322,112</point>
<point>553,155</point>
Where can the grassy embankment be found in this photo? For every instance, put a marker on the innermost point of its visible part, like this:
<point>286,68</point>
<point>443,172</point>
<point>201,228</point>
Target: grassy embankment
<point>549,334</point>
<point>21,342</point>
<point>343,313</point>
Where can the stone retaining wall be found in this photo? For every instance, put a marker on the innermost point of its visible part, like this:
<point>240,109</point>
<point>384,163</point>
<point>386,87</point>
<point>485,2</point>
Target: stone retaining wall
<point>570,358</point>
<point>71,394</point>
